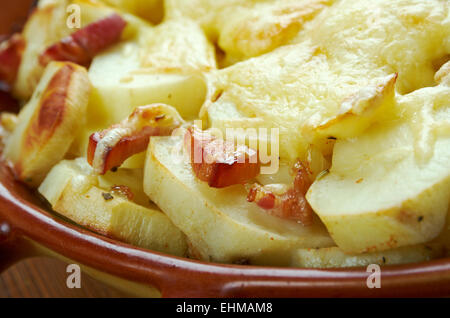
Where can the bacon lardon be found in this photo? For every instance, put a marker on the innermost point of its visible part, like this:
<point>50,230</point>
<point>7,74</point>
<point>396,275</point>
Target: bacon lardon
<point>109,148</point>
<point>220,163</point>
<point>290,204</point>
<point>83,45</point>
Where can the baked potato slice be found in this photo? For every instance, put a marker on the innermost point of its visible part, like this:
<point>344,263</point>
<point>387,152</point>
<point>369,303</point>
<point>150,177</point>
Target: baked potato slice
<point>120,85</point>
<point>220,224</point>
<point>45,26</point>
<point>390,187</point>
<point>94,204</point>
<point>334,257</point>
<point>48,123</point>
<point>163,65</point>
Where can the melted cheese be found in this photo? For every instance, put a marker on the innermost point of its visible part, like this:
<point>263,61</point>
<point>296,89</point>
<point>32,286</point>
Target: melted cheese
<point>404,36</point>
<point>177,47</point>
<point>428,113</point>
<point>244,29</point>
<point>292,88</point>
<point>308,83</point>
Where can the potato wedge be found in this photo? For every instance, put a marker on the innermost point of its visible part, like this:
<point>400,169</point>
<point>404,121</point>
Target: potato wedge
<point>46,25</point>
<point>220,224</point>
<point>120,86</point>
<point>48,123</point>
<point>164,66</point>
<point>391,186</point>
<point>79,196</point>
<point>334,257</point>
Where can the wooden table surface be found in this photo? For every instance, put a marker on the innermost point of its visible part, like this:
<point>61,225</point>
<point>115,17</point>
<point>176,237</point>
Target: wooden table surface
<point>45,277</point>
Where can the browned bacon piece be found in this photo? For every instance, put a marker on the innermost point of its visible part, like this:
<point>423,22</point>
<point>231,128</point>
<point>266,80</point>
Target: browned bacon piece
<point>109,148</point>
<point>220,163</point>
<point>83,45</point>
<point>290,204</point>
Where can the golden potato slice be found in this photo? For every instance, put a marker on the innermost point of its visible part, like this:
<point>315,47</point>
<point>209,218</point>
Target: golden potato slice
<point>76,194</point>
<point>220,224</point>
<point>45,26</point>
<point>177,47</point>
<point>163,65</point>
<point>334,257</point>
<point>48,123</point>
<point>390,187</point>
